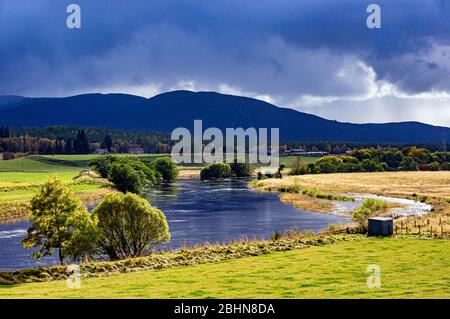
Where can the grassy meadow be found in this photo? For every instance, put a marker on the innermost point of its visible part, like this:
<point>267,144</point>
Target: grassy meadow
<point>20,179</point>
<point>411,267</point>
<point>403,184</point>
<point>420,269</point>
<point>289,160</point>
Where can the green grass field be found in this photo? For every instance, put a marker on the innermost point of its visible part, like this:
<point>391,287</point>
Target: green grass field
<point>410,268</point>
<point>27,194</point>
<point>41,164</point>
<point>20,178</point>
<point>31,178</point>
<point>288,160</point>
<point>53,163</point>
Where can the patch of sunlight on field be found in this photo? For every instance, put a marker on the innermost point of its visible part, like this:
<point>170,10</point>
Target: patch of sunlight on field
<point>27,194</point>
<point>289,160</point>
<point>386,183</point>
<point>40,164</point>
<point>15,179</point>
<point>56,163</point>
<point>410,268</point>
<point>14,196</point>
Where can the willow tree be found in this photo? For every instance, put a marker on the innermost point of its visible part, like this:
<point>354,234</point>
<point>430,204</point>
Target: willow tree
<point>128,226</point>
<point>59,222</point>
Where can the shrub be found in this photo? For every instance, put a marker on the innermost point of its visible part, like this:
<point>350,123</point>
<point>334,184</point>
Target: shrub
<point>313,192</point>
<point>434,166</point>
<point>350,168</point>
<point>241,169</point>
<point>445,166</point>
<point>364,154</point>
<point>151,176</point>
<point>392,158</point>
<point>8,156</point>
<point>103,164</point>
<point>166,168</point>
<point>278,174</point>
<point>408,164</point>
<point>349,159</point>
<point>369,207</point>
<point>329,164</point>
<point>276,235</point>
<point>127,179</point>
<point>215,170</point>
<point>261,176</point>
<point>370,165</point>
<point>129,226</point>
<point>298,167</point>
<point>313,169</point>
<point>420,155</point>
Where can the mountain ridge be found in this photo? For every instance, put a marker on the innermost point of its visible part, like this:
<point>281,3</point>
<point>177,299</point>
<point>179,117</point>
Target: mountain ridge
<point>168,110</point>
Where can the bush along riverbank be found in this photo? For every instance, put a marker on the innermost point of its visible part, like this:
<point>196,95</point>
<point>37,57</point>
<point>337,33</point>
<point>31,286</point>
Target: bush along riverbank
<point>184,257</point>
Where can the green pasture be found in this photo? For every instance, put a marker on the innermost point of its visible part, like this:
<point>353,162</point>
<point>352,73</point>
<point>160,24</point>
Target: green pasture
<point>409,268</point>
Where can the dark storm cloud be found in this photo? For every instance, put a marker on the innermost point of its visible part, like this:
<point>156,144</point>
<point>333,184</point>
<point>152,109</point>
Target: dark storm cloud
<point>284,49</point>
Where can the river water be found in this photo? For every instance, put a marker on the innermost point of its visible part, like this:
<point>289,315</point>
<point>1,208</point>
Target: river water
<point>197,212</point>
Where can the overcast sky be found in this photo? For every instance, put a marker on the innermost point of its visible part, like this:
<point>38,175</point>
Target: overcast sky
<point>313,56</point>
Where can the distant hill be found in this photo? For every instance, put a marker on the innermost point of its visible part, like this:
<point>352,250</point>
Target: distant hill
<point>7,101</point>
<point>169,110</point>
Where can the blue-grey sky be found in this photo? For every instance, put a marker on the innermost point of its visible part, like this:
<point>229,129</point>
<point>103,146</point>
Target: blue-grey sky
<point>313,56</point>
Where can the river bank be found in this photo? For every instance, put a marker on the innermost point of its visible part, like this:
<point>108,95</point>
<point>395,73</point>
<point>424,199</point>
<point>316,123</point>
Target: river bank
<point>430,190</point>
<point>184,257</point>
<point>198,212</point>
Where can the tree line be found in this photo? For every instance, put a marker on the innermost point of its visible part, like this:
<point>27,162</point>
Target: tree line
<point>339,148</point>
<point>374,160</point>
<point>73,140</point>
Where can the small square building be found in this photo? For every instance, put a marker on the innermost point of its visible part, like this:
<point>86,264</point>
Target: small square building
<point>381,226</point>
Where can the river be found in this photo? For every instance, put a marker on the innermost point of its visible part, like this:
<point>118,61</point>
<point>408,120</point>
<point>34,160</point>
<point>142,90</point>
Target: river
<point>197,212</point>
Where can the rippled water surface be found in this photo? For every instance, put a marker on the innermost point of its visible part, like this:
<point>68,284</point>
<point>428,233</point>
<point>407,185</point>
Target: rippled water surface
<point>197,212</point>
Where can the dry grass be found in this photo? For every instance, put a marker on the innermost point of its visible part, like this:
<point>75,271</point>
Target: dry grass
<point>308,203</point>
<point>431,225</point>
<point>95,196</point>
<point>190,173</point>
<point>431,187</point>
<point>401,184</point>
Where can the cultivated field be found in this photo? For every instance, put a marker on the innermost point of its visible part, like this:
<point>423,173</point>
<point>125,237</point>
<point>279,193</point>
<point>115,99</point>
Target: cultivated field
<point>420,269</point>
